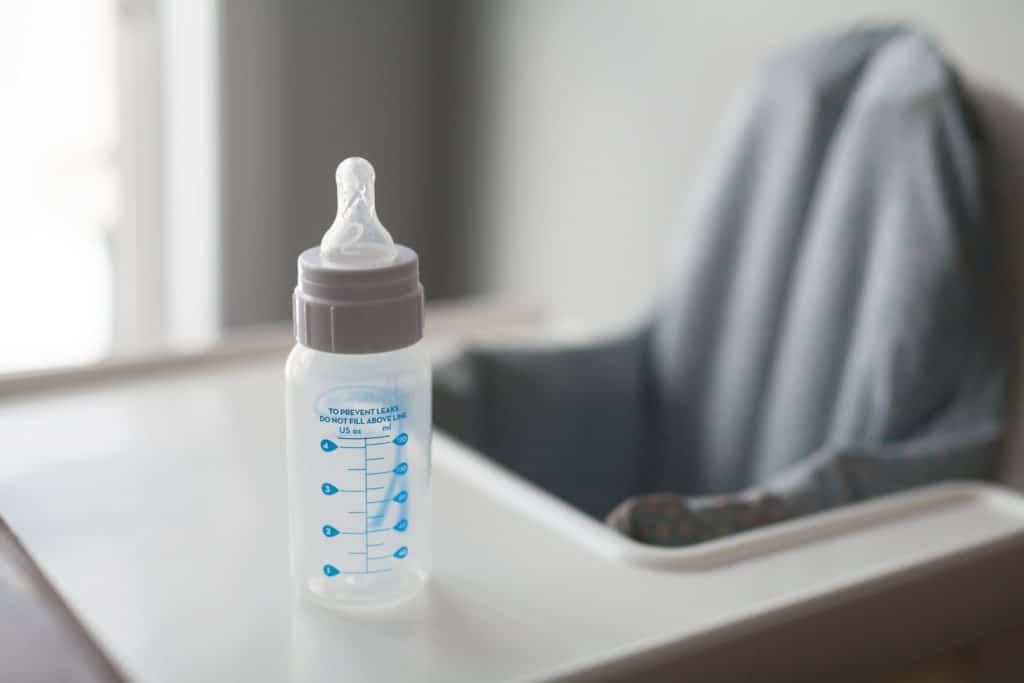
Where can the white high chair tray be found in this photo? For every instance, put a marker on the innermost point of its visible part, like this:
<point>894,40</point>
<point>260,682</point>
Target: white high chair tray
<point>154,501</point>
<point>968,502</point>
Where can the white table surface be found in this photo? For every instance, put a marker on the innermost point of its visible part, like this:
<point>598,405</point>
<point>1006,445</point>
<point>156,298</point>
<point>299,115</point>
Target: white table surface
<point>156,505</point>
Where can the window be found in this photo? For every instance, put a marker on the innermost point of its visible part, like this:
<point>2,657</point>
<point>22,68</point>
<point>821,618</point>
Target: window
<point>61,188</point>
<point>108,243</point>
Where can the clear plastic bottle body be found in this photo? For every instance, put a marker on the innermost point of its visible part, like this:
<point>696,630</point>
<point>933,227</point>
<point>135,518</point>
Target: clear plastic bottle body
<point>358,439</point>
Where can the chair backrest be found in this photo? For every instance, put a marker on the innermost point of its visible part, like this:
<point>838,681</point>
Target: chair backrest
<point>1003,120</point>
<point>832,290</point>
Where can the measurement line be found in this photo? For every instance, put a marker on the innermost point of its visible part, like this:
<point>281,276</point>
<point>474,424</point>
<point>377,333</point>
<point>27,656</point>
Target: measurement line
<point>380,458</point>
<point>377,571</point>
<point>356,552</point>
<point>362,438</point>
<point>382,500</point>
<point>376,531</point>
<point>354,533</point>
<point>373,545</point>
<point>376,516</point>
<point>373,474</point>
<point>366,503</point>
<point>356,469</point>
<point>377,557</point>
<point>350,490</point>
<point>357,512</point>
<point>374,488</point>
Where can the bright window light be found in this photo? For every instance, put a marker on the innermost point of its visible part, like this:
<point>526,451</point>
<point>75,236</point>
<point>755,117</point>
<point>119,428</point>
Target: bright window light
<point>61,199</point>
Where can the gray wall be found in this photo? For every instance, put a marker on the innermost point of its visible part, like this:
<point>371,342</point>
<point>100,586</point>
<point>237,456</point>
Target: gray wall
<point>537,149</point>
<point>595,114</point>
<point>308,83</point>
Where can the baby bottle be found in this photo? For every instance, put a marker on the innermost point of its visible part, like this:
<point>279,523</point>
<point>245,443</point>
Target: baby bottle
<point>358,411</point>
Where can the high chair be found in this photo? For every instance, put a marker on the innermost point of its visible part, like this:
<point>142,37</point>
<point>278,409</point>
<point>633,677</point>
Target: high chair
<point>151,495</point>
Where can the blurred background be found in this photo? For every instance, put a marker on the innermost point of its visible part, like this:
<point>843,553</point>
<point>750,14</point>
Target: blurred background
<point>166,160</point>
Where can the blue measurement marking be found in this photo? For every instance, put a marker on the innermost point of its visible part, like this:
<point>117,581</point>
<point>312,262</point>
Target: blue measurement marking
<point>326,445</point>
<point>366,498</point>
<point>401,469</point>
<point>330,489</point>
<point>331,570</point>
<point>402,496</point>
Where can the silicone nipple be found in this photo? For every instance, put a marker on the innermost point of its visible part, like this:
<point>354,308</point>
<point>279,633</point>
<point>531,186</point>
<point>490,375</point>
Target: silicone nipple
<point>356,239</point>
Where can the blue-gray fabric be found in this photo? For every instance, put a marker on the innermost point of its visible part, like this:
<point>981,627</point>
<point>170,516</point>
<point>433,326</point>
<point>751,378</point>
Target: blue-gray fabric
<point>830,331</point>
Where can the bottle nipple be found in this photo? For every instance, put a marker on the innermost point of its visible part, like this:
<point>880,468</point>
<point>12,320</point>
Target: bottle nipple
<point>356,238</point>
